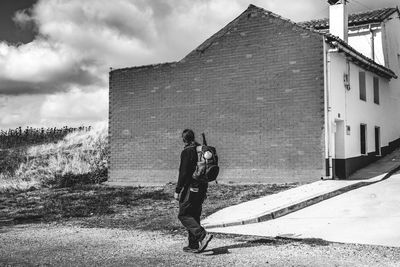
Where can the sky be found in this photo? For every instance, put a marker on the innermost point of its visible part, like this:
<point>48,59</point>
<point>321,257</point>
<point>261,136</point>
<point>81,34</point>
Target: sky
<point>55,55</point>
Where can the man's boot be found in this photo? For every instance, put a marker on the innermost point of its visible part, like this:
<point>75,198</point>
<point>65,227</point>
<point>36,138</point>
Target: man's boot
<point>204,242</point>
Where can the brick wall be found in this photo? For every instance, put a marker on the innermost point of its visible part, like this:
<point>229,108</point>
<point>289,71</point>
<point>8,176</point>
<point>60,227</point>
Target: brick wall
<point>256,90</point>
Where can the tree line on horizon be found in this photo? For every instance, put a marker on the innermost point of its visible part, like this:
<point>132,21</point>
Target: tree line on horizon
<point>18,137</point>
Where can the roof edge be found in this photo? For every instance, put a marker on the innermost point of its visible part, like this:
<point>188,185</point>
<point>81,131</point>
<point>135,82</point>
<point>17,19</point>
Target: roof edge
<point>384,71</point>
<point>208,42</point>
<point>154,66</point>
<point>323,23</point>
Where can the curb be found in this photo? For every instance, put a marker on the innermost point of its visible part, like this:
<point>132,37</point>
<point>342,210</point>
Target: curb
<point>270,215</point>
<point>6,221</point>
<point>390,173</point>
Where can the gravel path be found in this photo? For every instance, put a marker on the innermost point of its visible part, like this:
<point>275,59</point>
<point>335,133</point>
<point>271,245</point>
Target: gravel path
<point>69,245</point>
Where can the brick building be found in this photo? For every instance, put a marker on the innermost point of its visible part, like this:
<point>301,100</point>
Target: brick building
<point>257,88</point>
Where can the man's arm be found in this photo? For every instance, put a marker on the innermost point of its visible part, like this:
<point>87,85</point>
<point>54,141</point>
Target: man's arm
<point>185,171</point>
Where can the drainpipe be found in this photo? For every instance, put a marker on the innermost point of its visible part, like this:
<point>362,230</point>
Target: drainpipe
<point>327,88</point>
<point>372,42</point>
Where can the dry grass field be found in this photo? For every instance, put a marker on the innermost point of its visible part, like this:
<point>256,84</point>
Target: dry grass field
<point>79,157</point>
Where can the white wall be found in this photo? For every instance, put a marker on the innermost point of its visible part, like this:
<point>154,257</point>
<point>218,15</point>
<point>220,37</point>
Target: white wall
<point>337,67</point>
<point>391,42</point>
<point>354,111</point>
<point>391,50</point>
<point>369,113</point>
<point>361,41</point>
<point>391,46</point>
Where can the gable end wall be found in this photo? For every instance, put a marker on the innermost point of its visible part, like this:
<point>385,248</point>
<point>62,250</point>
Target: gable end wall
<point>257,92</point>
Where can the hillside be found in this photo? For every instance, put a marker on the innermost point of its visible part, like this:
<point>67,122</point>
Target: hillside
<point>78,157</point>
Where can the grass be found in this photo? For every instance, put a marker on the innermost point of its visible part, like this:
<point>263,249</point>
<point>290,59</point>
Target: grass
<point>80,157</point>
<point>146,208</point>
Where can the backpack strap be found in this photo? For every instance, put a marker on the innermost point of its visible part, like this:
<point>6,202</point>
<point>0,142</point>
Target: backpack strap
<point>190,146</point>
<point>199,152</point>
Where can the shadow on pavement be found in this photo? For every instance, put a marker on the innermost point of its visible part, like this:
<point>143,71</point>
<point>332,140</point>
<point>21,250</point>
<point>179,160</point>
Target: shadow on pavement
<point>378,166</point>
<point>278,241</point>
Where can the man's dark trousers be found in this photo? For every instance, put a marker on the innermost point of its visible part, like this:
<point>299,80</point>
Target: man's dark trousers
<point>190,206</point>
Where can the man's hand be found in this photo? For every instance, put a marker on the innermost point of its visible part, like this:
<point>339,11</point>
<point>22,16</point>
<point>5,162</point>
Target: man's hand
<point>176,196</point>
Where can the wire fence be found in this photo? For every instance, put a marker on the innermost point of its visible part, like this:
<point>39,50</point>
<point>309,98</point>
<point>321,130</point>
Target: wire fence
<point>14,138</point>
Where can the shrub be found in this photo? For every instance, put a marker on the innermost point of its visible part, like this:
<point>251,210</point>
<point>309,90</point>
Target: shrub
<point>10,160</point>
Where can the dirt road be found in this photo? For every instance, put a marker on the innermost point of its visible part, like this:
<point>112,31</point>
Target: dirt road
<point>69,245</point>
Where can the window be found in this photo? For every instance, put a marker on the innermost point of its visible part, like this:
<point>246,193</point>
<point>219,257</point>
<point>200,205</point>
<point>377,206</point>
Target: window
<point>398,59</point>
<point>361,79</point>
<point>377,141</point>
<point>376,90</point>
<point>363,138</point>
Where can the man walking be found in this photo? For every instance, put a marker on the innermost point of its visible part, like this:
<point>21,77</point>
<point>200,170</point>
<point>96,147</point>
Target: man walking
<point>191,196</point>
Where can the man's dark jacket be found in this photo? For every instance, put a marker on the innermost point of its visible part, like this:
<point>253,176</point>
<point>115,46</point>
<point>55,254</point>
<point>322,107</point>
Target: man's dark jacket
<point>187,166</point>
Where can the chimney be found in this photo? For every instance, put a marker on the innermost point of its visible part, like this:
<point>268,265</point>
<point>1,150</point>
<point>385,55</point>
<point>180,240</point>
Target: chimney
<point>338,19</point>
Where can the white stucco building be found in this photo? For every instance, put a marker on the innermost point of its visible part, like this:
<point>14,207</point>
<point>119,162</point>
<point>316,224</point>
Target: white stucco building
<point>362,92</point>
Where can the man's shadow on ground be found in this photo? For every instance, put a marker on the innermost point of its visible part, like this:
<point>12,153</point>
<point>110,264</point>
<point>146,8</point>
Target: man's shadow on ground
<point>277,241</point>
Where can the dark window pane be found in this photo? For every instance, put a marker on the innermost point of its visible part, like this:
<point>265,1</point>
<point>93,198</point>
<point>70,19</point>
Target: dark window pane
<point>361,78</point>
<point>377,140</point>
<point>363,128</point>
<point>376,90</point>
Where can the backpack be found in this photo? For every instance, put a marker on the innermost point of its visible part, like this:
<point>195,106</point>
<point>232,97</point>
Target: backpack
<point>207,168</point>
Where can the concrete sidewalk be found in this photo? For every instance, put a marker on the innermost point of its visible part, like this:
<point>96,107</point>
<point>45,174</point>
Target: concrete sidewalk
<point>368,215</point>
<point>283,203</point>
<point>280,204</point>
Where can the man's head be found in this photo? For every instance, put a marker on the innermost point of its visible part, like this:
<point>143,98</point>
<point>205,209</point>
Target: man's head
<point>188,136</point>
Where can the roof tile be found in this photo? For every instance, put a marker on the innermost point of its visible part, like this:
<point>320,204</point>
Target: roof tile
<point>366,17</point>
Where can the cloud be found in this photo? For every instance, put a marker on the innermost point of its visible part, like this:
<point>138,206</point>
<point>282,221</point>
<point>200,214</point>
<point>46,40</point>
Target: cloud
<point>23,19</point>
<point>14,109</point>
<point>78,41</point>
<point>43,67</point>
<point>74,106</point>
<point>76,44</point>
